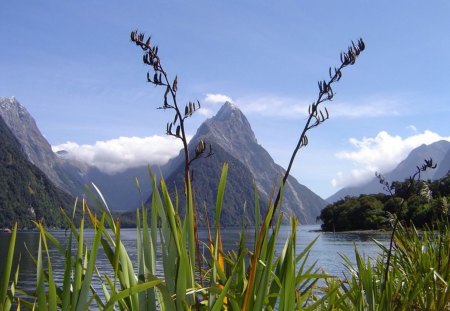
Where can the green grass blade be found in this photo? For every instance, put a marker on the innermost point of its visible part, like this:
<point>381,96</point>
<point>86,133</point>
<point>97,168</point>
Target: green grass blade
<point>51,285</point>
<point>8,267</point>
<point>40,279</point>
<point>84,300</point>
<point>129,292</point>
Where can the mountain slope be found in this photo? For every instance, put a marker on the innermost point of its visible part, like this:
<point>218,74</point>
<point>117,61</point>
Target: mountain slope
<point>34,145</point>
<point>443,167</point>
<point>233,141</point>
<point>26,194</point>
<point>69,175</point>
<point>437,151</point>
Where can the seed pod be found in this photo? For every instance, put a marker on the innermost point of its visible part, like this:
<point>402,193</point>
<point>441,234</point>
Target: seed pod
<point>175,84</point>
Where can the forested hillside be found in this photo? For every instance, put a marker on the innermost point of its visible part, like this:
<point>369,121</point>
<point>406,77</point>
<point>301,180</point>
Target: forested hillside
<point>26,194</point>
<point>429,203</point>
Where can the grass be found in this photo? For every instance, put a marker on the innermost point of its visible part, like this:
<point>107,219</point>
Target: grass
<point>246,278</point>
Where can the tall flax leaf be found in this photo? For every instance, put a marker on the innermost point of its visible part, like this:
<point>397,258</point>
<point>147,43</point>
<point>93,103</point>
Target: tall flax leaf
<point>84,300</point>
<point>191,229</point>
<point>288,293</point>
<point>67,274</point>
<point>249,294</point>
<point>78,265</point>
<point>217,258</point>
<point>262,291</point>
<point>5,302</point>
<point>40,280</point>
<point>51,285</point>
<point>146,261</point>
<point>183,265</point>
<point>101,205</point>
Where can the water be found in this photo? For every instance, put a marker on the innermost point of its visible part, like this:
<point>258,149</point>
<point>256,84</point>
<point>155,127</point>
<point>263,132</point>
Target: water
<point>326,250</point>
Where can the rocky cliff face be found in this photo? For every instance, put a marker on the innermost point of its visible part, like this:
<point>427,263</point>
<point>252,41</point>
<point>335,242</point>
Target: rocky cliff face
<point>35,147</point>
<point>233,141</point>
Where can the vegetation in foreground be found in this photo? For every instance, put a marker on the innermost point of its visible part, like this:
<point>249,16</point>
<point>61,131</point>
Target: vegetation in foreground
<point>413,273</point>
<point>253,277</point>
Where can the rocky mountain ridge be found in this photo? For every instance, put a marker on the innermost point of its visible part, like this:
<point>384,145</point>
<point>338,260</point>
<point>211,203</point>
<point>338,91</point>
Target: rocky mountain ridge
<point>234,141</point>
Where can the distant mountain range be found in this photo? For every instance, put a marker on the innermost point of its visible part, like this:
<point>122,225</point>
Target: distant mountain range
<point>438,151</point>
<point>233,141</point>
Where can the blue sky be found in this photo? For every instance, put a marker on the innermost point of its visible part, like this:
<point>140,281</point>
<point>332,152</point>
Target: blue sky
<point>72,65</point>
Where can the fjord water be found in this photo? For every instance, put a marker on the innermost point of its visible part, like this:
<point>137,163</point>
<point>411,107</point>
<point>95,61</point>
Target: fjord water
<point>326,250</point>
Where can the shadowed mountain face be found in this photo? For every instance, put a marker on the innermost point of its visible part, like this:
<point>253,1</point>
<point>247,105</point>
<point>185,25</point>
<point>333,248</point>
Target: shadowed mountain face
<point>250,165</point>
<point>438,151</point>
<point>34,145</point>
<point>26,194</point>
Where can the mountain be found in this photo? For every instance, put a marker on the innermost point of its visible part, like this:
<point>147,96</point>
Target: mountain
<point>34,145</point>
<point>233,141</point>
<point>438,151</point>
<point>26,194</point>
<point>69,175</point>
<point>443,168</point>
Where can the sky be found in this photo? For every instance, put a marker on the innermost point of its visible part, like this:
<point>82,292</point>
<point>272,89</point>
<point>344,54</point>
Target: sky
<point>73,66</point>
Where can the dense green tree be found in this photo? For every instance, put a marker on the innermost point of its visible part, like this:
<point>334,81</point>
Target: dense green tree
<point>421,205</point>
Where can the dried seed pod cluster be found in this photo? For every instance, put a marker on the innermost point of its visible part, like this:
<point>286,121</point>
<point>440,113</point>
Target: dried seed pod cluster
<point>316,114</point>
<point>159,77</point>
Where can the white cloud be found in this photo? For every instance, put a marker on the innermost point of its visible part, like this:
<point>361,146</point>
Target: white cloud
<point>205,112</point>
<point>377,107</point>
<point>381,153</point>
<point>412,128</point>
<point>273,106</point>
<point>116,155</point>
<point>293,108</point>
<point>217,98</point>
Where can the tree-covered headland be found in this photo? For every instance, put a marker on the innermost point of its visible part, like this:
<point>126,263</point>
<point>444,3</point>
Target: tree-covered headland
<point>428,203</point>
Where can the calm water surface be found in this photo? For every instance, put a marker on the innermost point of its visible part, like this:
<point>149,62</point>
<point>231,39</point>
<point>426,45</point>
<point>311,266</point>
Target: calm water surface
<point>326,250</point>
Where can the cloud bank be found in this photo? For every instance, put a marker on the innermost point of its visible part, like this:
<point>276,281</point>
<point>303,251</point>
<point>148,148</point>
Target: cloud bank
<point>381,153</point>
<point>116,155</point>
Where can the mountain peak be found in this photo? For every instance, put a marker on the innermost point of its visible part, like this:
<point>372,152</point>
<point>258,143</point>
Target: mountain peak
<point>11,103</point>
<point>233,141</point>
<point>229,126</point>
<point>228,111</point>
